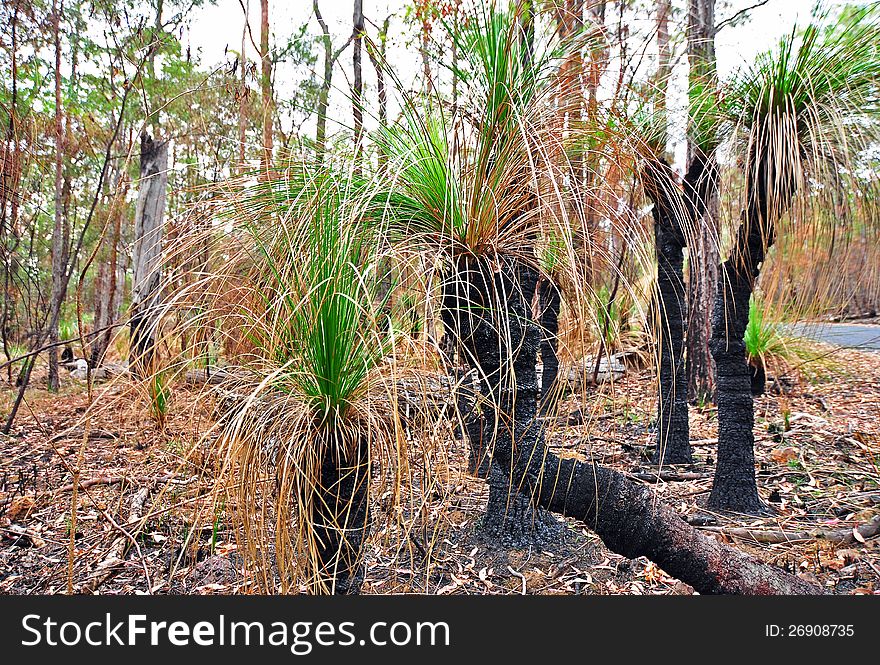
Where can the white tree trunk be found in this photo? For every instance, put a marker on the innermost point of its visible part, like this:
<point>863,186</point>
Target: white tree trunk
<point>703,254</point>
<point>147,253</point>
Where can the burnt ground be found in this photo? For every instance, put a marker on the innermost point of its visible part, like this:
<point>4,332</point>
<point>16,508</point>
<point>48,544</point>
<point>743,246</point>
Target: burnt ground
<point>146,518</point>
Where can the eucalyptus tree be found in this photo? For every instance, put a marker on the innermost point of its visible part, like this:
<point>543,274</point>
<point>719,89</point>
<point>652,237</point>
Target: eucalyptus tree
<point>56,299</point>
<point>703,251</point>
<point>803,115</point>
<point>331,55</point>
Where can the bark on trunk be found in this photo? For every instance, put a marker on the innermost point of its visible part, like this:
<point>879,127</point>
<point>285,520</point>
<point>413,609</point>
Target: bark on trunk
<point>330,57</point>
<point>626,515</point>
<point>510,516</point>
<point>703,260</point>
<point>735,488</point>
<point>381,92</point>
<point>324,92</point>
<point>357,88</point>
<point>243,92</point>
<point>266,86</point>
<point>703,257</point>
<point>673,437</point>
<point>106,287</point>
<point>58,244</point>
<point>664,64</point>
<point>341,519</point>
<point>146,255</point>
<point>550,301</point>
<point>671,213</point>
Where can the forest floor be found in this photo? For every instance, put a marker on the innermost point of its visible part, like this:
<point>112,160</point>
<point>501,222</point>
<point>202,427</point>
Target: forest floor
<point>148,518</point>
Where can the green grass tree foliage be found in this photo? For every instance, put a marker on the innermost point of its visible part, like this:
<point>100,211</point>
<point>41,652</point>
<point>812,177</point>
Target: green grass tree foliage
<point>469,189</point>
<point>294,291</point>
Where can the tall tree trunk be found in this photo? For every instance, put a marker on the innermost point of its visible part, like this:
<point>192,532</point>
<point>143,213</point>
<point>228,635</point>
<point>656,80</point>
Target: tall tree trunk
<point>357,88</point>
<point>106,287</point>
<point>341,518</point>
<point>10,175</point>
<point>569,17</point>
<point>673,438</point>
<point>627,516</point>
<point>266,86</point>
<point>595,68</point>
<point>324,91</point>
<point>770,193</point>
<point>423,16</point>
<point>330,57</point>
<point>734,487</point>
<point>378,62</point>
<point>243,93</point>
<point>455,27</point>
<point>703,257</point>
<point>147,254</point>
<point>663,65</point>
<point>58,245</point>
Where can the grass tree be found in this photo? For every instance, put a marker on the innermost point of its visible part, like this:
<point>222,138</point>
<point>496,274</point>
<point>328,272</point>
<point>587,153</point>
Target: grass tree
<point>675,213</point>
<point>469,187</point>
<point>309,408</point>
<point>802,120</point>
<point>479,206</point>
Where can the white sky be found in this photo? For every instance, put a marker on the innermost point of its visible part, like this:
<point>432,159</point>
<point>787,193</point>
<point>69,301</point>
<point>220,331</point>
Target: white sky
<point>214,29</point>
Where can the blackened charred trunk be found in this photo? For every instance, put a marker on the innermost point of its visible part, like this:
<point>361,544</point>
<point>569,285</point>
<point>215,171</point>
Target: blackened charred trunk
<point>626,515</point>
<point>671,212</point>
<point>758,377</point>
<point>549,300</point>
<point>735,487</point>
<point>510,516</point>
<point>469,420</point>
<point>341,519</point>
<point>673,437</point>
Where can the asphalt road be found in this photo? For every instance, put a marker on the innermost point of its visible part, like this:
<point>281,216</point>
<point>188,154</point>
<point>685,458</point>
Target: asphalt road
<point>865,337</point>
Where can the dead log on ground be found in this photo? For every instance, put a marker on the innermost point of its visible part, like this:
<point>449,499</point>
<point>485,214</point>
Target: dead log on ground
<point>775,537</point>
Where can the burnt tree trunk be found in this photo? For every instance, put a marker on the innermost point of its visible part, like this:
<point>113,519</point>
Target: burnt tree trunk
<point>340,516</point>
<point>627,516</point>
<point>770,190</point>
<point>734,487</point>
<point>510,517</point>
<point>673,438</point>
<point>146,255</point>
<point>671,213</point>
<point>550,301</point>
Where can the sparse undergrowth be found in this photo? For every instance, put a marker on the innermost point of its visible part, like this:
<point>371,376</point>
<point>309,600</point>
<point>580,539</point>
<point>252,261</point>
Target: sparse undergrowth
<point>818,446</point>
